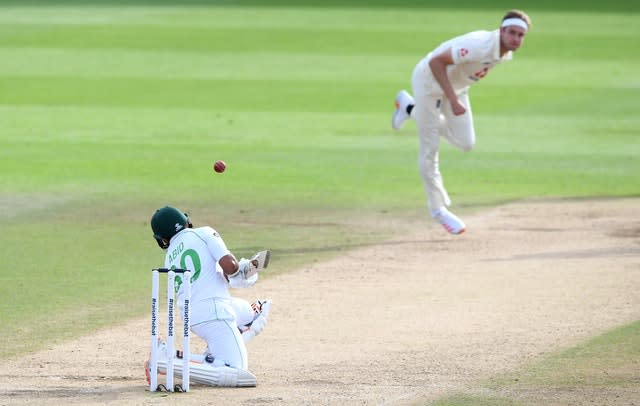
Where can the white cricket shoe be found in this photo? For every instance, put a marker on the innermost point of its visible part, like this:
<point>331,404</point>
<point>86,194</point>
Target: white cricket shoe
<point>400,115</point>
<point>162,354</point>
<point>449,221</point>
<point>146,372</point>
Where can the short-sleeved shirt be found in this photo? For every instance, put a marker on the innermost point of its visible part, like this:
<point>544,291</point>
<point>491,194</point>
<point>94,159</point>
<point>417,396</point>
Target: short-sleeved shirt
<point>199,250</point>
<point>474,54</point>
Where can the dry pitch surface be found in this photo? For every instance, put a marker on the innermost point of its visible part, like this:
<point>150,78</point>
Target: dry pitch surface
<point>411,318</point>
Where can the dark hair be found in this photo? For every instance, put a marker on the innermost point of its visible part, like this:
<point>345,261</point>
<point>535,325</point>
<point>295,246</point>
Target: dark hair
<point>518,14</point>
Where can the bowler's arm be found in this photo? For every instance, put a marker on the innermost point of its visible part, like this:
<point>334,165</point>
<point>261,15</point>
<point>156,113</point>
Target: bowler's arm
<point>438,65</point>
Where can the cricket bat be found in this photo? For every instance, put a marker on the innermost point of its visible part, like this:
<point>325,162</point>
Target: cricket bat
<point>259,262</point>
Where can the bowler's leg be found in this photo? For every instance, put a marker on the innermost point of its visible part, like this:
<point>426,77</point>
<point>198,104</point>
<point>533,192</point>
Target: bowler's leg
<point>459,130</point>
<point>428,122</point>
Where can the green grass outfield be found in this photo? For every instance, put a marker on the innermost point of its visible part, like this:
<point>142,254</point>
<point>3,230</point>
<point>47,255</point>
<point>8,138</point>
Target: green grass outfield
<point>601,370</point>
<point>109,110</point>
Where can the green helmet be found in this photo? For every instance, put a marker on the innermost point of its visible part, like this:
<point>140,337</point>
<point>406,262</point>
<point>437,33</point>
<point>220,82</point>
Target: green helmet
<point>167,222</point>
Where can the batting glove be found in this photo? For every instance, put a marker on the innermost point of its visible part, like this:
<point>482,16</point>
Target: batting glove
<point>239,279</point>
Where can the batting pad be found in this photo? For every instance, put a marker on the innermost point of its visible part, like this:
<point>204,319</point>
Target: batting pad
<point>206,374</point>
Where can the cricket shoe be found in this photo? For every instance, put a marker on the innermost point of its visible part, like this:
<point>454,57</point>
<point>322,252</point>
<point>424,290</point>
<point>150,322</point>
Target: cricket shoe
<point>146,372</point>
<point>162,354</point>
<point>449,221</point>
<point>400,115</point>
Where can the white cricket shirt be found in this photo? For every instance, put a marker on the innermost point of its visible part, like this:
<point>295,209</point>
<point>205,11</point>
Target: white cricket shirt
<point>474,54</point>
<point>199,250</point>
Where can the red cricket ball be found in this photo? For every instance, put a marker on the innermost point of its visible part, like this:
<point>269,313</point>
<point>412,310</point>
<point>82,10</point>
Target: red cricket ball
<point>219,166</point>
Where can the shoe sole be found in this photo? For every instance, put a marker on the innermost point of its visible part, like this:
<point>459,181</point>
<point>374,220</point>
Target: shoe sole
<point>393,124</point>
<point>451,231</point>
<point>146,372</point>
<point>393,118</point>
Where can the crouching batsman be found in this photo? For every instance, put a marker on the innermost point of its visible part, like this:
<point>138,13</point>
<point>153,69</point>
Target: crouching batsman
<point>225,323</point>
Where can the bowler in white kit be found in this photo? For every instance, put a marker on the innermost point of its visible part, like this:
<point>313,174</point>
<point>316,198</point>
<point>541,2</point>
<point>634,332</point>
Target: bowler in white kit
<point>440,103</point>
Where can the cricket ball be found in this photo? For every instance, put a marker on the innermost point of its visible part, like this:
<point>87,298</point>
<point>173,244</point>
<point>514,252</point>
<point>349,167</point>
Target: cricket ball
<point>219,166</point>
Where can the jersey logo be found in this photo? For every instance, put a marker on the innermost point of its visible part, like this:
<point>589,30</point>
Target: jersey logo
<point>480,74</point>
<point>463,52</point>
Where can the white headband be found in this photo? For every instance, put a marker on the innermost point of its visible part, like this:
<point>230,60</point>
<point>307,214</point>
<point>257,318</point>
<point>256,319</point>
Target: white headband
<point>515,21</point>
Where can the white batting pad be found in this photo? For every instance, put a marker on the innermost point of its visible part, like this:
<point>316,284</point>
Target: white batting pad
<point>206,374</point>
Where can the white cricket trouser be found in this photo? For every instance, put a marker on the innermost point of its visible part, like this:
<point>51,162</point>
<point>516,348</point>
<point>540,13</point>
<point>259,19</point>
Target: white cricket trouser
<point>434,119</point>
<point>224,340</point>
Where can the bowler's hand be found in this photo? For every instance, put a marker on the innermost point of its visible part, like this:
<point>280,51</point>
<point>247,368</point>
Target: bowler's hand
<point>457,108</point>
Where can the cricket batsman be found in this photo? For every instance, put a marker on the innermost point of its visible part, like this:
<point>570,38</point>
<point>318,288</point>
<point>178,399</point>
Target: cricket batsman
<point>224,322</point>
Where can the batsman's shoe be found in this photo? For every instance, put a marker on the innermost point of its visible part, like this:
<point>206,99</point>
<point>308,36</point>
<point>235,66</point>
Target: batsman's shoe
<point>449,221</point>
<point>146,372</point>
<point>162,354</point>
<point>400,115</point>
